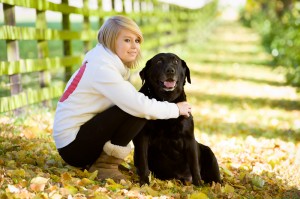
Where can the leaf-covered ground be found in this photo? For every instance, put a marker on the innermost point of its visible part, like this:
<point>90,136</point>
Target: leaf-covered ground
<point>242,110</point>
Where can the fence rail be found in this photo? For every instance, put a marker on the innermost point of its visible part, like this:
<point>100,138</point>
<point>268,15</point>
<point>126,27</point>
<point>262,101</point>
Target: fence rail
<point>162,25</point>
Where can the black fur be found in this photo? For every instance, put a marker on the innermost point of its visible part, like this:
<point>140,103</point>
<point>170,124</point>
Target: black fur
<point>168,148</point>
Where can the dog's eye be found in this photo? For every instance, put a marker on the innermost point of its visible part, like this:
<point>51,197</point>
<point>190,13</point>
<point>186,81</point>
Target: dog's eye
<point>159,62</point>
<point>175,61</point>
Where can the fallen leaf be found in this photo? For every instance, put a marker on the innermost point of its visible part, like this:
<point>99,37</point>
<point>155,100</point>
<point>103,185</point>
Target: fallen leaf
<point>228,189</point>
<point>198,195</point>
<point>38,184</point>
<point>258,181</point>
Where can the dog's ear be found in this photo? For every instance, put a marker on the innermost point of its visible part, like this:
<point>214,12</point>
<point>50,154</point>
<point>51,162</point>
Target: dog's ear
<point>187,71</point>
<point>144,70</point>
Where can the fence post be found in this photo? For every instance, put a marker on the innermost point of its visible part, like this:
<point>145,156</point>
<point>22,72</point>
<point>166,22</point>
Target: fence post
<point>132,6</point>
<point>113,5</point>
<point>140,19</point>
<point>123,7</point>
<point>13,53</point>
<point>43,50</point>
<point>101,20</point>
<point>67,43</point>
<point>86,26</point>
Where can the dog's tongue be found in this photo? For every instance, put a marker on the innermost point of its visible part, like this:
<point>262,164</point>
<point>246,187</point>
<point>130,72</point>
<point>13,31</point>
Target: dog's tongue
<point>169,84</point>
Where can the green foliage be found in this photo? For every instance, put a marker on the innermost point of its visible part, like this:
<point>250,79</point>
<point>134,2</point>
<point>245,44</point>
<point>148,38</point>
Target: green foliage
<point>56,49</point>
<point>241,110</point>
<point>279,24</point>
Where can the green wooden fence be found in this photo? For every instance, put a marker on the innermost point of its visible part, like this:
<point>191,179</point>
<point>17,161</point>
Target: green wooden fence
<point>162,25</point>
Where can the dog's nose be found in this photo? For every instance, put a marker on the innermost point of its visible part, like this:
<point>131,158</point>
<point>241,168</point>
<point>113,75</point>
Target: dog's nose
<point>170,70</point>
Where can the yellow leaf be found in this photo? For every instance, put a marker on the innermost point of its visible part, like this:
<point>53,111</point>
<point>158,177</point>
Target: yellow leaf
<point>99,195</point>
<point>242,175</point>
<point>31,132</point>
<point>112,185</point>
<point>93,175</point>
<point>71,189</point>
<point>199,195</point>
<point>258,181</point>
<point>150,191</point>
<point>17,173</point>
<point>38,184</point>
<point>227,171</point>
<point>170,184</point>
<point>39,180</point>
<point>65,177</point>
<point>85,181</point>
<point>228,189</point>
<point>239,186</point>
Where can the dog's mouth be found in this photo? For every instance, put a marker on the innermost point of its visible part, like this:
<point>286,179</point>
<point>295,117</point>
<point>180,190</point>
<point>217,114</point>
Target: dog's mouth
<point>169,85</point>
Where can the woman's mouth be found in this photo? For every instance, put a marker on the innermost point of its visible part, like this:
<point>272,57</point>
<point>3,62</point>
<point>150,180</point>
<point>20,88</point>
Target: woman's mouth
<point>132,53</point>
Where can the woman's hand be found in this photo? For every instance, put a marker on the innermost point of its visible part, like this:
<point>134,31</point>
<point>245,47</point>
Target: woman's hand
<point>184,109</point>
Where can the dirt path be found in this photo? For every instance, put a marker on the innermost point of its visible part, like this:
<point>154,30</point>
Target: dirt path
<point>246,113</point>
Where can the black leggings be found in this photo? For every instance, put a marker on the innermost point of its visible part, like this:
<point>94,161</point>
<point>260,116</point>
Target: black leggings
<point>112,124</point>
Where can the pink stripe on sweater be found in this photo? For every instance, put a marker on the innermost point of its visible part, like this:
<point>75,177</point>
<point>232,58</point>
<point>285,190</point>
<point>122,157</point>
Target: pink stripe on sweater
<point>74,83</point>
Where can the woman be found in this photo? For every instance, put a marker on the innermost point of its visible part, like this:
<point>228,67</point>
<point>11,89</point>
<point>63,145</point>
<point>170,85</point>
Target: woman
<point>100,111</point>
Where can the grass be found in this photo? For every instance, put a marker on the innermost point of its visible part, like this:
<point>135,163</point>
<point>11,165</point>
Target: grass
<point>242,109</point>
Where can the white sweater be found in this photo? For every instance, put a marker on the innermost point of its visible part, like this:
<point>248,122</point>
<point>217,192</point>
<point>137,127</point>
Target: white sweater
<point>99,84</point>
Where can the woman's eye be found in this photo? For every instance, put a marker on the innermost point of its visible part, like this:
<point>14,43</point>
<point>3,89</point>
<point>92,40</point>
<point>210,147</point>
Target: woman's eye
<point>127,40</point>
<point>137,41</point>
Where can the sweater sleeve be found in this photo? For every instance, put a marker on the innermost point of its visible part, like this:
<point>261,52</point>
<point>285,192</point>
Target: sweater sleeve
<point>122,93</point>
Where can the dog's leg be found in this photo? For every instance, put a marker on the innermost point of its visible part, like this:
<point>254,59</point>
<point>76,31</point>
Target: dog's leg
<point>193,161</point>
<point>209,165</point>
<point>141,157</point>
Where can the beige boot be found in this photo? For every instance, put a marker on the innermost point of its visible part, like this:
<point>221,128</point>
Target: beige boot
<point>109,160</point>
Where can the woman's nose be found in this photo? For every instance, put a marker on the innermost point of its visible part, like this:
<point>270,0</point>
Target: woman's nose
<point>133,44</point>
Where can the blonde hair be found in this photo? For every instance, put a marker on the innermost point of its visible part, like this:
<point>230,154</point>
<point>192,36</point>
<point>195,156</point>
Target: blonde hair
<point>111,28</point>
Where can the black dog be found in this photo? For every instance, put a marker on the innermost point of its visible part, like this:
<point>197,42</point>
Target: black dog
<point>168,148</point>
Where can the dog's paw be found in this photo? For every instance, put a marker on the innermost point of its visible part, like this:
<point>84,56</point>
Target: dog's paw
<point>198,182</point>
<point>144,180</point>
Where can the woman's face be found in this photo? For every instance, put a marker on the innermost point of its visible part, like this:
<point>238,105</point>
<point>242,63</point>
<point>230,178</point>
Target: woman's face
<point>127,46</point>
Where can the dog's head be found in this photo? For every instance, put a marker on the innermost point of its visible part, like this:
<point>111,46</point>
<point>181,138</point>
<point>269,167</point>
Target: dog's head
<point>165,75</point>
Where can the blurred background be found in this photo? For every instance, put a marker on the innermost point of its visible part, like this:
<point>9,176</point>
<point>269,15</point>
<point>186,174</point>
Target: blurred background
<point>52,29</point>
<point>244,60</point>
